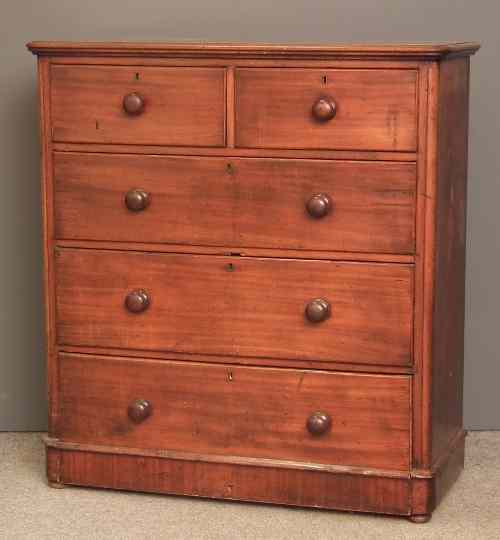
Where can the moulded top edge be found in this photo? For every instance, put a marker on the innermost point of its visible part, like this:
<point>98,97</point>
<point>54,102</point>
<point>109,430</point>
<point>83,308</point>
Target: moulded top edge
<point>256,50</point>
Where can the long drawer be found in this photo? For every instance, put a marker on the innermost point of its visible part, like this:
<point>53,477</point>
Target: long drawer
<point>285,414</point>
<point>289,204</point>
<point>274,308</point>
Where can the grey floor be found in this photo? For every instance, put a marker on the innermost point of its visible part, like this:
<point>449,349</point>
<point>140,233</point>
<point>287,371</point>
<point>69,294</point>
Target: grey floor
<point>29,509</point>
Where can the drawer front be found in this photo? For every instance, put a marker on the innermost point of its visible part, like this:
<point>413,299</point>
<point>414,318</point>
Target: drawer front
<point>236,411</point>
<point>374,109</point>
<point>180,106</point>
<point>358,312</point>
<point>365,206</point>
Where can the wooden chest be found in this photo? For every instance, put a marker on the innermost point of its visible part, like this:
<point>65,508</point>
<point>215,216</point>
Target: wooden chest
<point>254,270</point>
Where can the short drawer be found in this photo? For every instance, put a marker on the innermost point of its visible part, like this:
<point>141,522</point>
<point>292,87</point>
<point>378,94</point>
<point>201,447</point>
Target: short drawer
<point>263,203</point>
<point>236,306</point>
<point>182,106</point>
<point>344,109</point>
<point>208,409</point>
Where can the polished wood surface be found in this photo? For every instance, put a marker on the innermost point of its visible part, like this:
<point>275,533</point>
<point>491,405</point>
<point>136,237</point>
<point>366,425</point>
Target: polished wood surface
<point>236,410</point>
<point>375,109</point>
<point>423,241</point>
<point>292,487</point>
<point>278,253</point>
<point>376,491</point>
<point>112,50</point>
<point>244,360</point>
<point>237,202</point>
<point>253,264</point>
<point>181,106</point>
<point>430,486</point>
<point>236,306</point>
<point>230,151</point>
<point>47,221</point>
<point>449,299</point>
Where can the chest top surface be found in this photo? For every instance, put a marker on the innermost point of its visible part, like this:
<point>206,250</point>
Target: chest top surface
<point>429,50</point>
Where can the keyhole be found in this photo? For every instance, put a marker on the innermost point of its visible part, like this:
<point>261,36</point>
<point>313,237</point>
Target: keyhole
<point>229,376</point>
<point>137,76</point>
<point>324,79</point>
<point>230,267</point>
<point>229,168</point>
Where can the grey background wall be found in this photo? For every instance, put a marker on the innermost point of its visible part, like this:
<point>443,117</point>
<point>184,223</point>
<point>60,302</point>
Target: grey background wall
<point>22,372</point>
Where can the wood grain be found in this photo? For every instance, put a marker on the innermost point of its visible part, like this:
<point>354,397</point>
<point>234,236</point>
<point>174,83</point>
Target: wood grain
<point>424,266</point>
<point>226,458</point>
<point>448,469</point>
<point>230,106</point>
<point>429,487</point>
<point>376,109</point>
<point>420,51</point>
<point>236,410</point>
<point>243,360</point>
<point>236,202</point>
<point>237,306</point>
<point>416,496</point>
<point>184,106</point>
<point>449,299</point>
<point>277,253</point>
<point>423,254</point>
<point>225,481</point>
<point>47,211</point>
<point>344,155</point>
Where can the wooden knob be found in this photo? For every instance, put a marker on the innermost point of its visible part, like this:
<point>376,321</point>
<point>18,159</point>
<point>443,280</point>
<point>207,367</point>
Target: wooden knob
<point>319,423</point>
<point>319,205</point>
<point>139,410</point>
<point>324,109</point>
<point>137,200</point>
<point>137,301</point>
<point>318,310</point>
<point>133,103</point>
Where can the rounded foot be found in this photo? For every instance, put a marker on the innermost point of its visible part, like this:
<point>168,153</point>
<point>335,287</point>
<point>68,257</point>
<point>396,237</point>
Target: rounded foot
<point>420,518</point>
<point>55,485</point>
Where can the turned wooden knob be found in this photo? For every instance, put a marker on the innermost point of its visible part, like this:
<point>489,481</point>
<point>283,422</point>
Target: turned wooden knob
<point>324,109</point>
<point>319,423</point>
<point>137,301</point>
<point>137,200</point>
<point>319,205</point>
<point>133,103</point>
<point>139,410</point>
<point>318,310</point>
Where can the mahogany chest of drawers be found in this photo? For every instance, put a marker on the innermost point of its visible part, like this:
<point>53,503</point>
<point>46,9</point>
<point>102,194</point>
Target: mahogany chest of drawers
<point>254,270</point>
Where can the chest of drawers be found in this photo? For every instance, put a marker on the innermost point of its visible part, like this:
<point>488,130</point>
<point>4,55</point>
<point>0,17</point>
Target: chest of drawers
<point>254,270</point>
